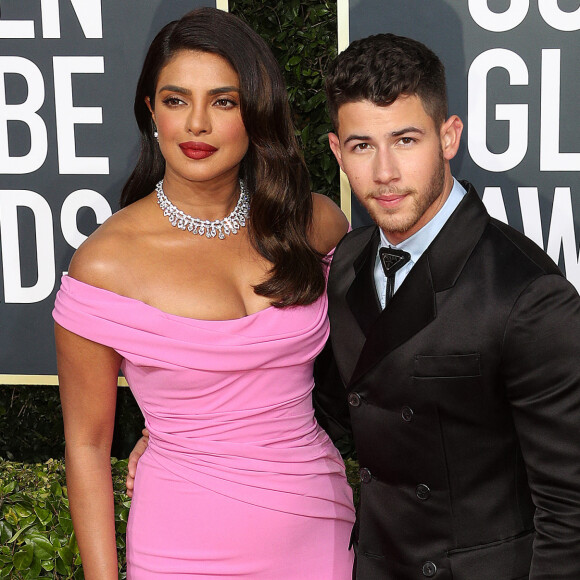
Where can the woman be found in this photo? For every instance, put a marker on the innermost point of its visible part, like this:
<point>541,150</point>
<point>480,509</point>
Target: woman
<point>215,323</point>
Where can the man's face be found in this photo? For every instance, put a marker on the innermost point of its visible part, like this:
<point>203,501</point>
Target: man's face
<point>397,161</point>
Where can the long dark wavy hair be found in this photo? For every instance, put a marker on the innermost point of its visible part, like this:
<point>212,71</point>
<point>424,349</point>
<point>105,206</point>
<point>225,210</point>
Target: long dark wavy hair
<point>273,167</point>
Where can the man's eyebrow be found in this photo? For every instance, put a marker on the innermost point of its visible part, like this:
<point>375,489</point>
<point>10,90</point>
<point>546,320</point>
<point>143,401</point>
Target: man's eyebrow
<point>410,129</point>
<point>357,138</point>
<point>184,91</point>
<point>397,133</point>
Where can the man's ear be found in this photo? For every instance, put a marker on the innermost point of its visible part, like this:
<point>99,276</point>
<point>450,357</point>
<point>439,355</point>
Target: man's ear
<point>450,134</point>
<point>334,143</point>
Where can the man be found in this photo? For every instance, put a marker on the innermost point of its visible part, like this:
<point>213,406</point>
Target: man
<point>458,345</point>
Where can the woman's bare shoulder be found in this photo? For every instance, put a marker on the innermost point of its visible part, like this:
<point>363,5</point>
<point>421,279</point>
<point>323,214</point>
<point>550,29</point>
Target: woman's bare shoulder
<point>106,255</point>
<point>329,224</point>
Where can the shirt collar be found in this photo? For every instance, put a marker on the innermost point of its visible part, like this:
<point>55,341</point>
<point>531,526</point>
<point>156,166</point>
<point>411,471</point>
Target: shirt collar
<point>421,240</point>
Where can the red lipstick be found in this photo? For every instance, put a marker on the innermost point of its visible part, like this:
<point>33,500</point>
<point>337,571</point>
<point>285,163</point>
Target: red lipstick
<point>197,149</point>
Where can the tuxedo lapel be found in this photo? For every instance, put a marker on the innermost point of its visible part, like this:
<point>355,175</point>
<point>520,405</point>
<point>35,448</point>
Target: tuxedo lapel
<point>455,243</point>
<point>361,297</point>
<point>351,259</point>
<point>414,305</point>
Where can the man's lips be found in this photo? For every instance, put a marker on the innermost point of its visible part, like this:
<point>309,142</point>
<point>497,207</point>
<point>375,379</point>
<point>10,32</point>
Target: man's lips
<point>197,150</point>
<point>390,200</point>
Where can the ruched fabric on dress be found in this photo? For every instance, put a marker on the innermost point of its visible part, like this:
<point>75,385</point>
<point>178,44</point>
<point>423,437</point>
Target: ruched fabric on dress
<point>229,411</point>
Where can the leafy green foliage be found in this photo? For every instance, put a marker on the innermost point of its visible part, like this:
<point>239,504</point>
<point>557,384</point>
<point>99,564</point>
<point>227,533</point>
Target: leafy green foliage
<point>302,35</point>
<point>36,533</point>
<point>352,474</point>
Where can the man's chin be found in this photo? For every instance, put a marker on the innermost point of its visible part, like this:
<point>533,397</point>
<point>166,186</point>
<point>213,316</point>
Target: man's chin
<point>399,228</point>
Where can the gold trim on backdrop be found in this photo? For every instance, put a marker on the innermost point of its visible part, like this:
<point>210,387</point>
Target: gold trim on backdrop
<point>342,18</point>
<point>345,196</point>
<point>41,380</point>
<point>222,5</point>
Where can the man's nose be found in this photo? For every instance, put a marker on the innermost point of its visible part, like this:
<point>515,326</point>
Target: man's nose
<point>385,167</point>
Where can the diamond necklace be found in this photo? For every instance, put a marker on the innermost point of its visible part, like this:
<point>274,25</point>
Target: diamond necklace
<point>220,228</point>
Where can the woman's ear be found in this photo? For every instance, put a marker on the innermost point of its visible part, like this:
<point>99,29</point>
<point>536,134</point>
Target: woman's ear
<point>148,103</point>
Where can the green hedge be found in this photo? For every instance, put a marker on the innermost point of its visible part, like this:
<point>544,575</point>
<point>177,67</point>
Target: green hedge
<point>36,533</point>
<point>302,35</point>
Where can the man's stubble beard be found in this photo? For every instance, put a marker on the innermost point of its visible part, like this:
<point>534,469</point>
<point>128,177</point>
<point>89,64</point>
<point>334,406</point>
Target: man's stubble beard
<point>395,221</point>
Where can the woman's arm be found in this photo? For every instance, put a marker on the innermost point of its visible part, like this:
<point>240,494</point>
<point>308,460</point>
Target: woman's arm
<point>88,386</point>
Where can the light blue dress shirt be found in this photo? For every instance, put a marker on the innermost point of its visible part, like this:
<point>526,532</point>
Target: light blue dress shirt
<point>417,243</point>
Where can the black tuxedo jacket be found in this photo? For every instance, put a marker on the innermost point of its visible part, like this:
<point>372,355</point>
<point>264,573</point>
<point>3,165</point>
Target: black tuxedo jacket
<point>464,399</point>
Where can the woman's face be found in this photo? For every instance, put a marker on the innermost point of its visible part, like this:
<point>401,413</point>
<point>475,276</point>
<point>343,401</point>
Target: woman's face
<point>197,114</point>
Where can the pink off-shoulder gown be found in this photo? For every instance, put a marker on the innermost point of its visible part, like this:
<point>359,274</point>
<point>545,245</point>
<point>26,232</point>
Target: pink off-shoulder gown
<point>238,480</point>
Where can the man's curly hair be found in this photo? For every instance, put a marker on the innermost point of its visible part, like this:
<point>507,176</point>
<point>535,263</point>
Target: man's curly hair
<point>381,67</point>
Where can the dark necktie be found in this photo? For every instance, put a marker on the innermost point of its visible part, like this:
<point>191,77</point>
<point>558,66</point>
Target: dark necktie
<point>392,260</point>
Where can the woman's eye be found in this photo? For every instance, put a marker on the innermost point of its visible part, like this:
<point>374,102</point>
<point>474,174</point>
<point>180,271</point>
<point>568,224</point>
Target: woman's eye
<point>226,103</point>
<point>172,101</point>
